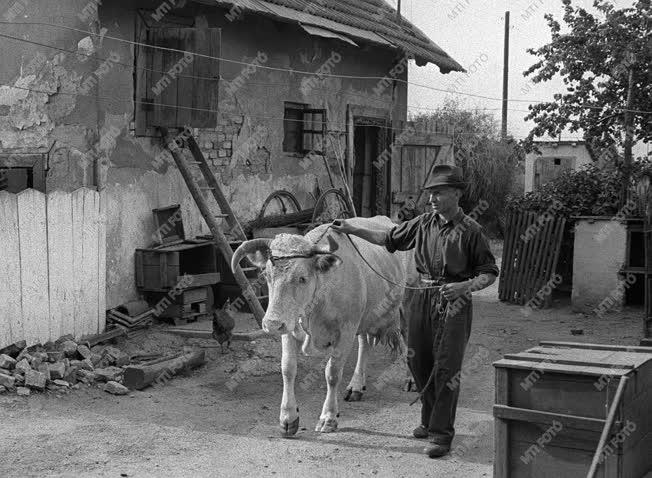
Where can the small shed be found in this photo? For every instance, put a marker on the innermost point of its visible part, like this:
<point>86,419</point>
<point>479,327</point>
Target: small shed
<point>552,160</point>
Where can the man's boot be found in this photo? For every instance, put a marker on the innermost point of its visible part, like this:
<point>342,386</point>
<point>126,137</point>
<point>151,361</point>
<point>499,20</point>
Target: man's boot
<point>436,450</point>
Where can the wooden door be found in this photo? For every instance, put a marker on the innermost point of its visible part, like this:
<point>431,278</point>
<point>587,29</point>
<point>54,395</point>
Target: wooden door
<point>414,166</point>
<point>548,168</point>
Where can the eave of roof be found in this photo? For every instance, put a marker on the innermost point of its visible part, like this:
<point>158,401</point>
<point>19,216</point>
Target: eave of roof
<point>371,20</point>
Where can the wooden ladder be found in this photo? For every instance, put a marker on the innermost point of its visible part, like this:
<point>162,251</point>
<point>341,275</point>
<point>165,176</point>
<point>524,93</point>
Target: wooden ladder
<point>235,229</point>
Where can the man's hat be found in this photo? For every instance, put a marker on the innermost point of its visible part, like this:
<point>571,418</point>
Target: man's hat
<point>446,175</point>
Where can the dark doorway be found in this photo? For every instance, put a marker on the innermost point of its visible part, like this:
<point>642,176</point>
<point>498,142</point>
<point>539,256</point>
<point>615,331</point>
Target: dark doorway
<point>364,180</point>
<point>371,166</point>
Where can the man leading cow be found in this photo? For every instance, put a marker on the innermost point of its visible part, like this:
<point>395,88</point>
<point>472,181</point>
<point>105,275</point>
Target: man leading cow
<point>451,251</point>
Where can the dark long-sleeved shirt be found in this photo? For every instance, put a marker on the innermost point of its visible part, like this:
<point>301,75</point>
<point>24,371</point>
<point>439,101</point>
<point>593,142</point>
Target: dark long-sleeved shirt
<point>456,250</point>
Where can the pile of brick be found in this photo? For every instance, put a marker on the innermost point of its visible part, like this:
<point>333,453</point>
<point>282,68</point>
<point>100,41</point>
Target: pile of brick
<point>59,366</point>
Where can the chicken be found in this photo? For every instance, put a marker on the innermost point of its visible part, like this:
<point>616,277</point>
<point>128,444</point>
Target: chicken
<point>223,325</point>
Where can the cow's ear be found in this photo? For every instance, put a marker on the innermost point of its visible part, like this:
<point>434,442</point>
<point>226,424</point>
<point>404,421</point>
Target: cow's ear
<point>325,262</point>
<point>258,258</point>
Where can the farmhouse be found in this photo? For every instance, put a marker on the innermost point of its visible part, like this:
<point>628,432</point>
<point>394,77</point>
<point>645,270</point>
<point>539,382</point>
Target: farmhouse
<point>277,94</point>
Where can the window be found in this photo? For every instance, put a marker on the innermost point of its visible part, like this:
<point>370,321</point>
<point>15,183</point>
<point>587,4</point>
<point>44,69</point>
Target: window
<point>557,161</point>
<point>172,89</point>
<point>20,171</point>
<point>303,129</point>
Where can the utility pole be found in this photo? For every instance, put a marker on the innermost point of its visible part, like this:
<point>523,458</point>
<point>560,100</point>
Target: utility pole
<point>505,76</point>
<point>629,140</point>
<point>398,10</point>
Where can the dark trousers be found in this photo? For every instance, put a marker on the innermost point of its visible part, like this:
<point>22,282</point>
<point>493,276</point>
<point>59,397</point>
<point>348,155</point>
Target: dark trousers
<point>437,336</point>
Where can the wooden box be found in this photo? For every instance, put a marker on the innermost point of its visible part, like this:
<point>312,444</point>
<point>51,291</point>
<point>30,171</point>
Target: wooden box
<point>186,304</point>
<point>163,268</point>
<point>168,224</point>
<point>552,403</point>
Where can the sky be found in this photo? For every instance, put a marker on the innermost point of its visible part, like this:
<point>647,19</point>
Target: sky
<point>472,32</point>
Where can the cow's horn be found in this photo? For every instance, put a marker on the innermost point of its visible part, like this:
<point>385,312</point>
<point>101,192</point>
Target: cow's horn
<point>247,247</point>
<point>332,246</point>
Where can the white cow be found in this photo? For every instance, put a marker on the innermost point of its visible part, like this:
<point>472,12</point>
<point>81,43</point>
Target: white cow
<point>320,301</point>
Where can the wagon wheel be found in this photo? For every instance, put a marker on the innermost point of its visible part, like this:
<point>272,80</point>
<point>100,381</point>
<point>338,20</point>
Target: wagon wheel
<point>279,196</point>
<point>331,205</point>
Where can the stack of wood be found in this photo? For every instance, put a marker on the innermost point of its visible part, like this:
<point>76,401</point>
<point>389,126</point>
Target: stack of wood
<point>132,316</point>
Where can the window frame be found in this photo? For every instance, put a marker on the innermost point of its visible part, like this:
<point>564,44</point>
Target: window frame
<point>304,110</point>
<point>35,165</point>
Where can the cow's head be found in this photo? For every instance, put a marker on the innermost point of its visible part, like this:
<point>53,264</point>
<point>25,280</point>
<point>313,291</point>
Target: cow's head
<point>296,272</point>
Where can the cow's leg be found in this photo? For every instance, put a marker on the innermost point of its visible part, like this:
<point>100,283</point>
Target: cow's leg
<point>329,413</point>
<point>358,380</point>
<point>289,410</point>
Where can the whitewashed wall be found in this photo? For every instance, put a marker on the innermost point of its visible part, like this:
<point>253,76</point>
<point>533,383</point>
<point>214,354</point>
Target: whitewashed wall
<point>598,255</point>
<point>52,265</point>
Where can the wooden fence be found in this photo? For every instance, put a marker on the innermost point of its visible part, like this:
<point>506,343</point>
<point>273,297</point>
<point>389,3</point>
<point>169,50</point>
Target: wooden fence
<point>530,255</point>
<point>53,267</point>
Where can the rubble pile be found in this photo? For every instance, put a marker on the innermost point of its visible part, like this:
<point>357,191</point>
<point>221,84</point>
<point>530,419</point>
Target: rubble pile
<point>61,365</point>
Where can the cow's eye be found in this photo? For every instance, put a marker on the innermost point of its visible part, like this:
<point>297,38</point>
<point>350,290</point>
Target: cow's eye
<point>302,280</point>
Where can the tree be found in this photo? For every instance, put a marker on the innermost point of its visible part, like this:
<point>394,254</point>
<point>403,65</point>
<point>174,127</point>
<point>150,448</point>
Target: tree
<point>488,164</point>
<point>604,59</point>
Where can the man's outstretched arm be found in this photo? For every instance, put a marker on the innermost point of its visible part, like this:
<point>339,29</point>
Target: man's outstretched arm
<point>375,236</point>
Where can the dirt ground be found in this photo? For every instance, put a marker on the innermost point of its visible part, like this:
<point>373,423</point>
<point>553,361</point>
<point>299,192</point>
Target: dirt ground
<point>222,419</point>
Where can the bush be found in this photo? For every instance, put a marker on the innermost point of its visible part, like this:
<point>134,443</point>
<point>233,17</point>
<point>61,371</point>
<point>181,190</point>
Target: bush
<point>589,191</point>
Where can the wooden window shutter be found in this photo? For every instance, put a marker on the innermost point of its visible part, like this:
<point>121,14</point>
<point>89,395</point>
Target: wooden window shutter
<point>182,89</point>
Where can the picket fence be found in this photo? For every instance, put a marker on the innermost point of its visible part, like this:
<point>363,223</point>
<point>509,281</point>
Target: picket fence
<point>52,266</point>
<point>530,255</point>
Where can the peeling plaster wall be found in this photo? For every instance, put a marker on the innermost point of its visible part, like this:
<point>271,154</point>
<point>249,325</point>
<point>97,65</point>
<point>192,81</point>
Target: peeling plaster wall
<point>94,131</point>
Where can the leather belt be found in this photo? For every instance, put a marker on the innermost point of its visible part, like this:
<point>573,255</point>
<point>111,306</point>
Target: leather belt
<point>428,279</point>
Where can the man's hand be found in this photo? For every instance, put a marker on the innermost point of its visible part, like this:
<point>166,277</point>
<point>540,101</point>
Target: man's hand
<point>375,236</point>
<point>454,290</point>
<point>342,226</point>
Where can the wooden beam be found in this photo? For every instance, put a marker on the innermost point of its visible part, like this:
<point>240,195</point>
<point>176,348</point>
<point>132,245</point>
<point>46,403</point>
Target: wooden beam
<point>501,427</point>
<point>140,376</point>
<point>505,412</point>
<point>580,345</point>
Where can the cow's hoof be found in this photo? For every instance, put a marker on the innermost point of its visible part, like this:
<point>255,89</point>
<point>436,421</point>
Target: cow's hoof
<point>328,425</point>
<point>352,396</point>
<point>289,429</point>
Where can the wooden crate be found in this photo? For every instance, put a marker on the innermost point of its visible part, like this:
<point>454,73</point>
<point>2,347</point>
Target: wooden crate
<point>552,403</point>
<point>168,224</point>
<point>186,305</point>
<point>162,268</point>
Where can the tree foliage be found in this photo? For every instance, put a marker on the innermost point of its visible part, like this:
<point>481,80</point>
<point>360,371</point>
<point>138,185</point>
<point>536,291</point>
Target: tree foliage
<point>593,53</point>
<point>488,164</point>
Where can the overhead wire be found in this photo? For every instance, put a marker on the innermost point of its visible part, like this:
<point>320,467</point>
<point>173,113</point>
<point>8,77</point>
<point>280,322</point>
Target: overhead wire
<point>302,72</point>
<point>206,78</point>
